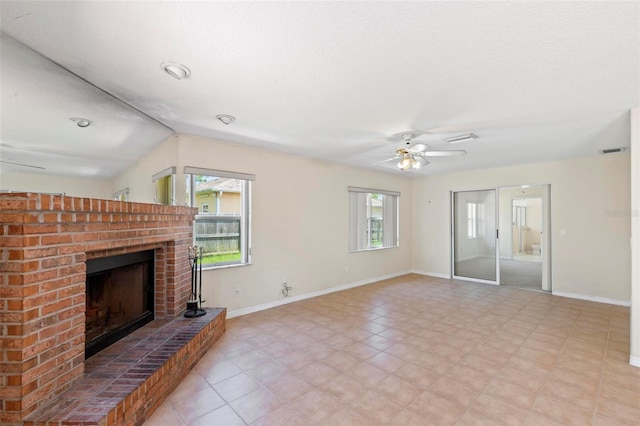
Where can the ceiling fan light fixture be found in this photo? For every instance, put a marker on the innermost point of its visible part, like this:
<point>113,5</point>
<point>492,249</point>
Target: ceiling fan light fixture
<point>462,138</point>
<point>81,122</point>
<point>225,118</point>
<point>177,71</point>
<point>406,163</point>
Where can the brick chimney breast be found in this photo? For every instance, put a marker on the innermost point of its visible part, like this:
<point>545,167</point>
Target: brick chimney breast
<point>45,241</point>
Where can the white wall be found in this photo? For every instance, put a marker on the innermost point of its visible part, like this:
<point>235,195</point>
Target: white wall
<point>138,178</point>
<point>589,197</point>
<point>299,220</point>
<point>532,235</point>
<point>73,186</point>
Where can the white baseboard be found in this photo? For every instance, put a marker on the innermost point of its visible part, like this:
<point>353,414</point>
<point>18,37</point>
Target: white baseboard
<point>635,361</point>
<point>432,274</point>
<point>280,302</point>
<point>592,298</point>
<point>297,298</point>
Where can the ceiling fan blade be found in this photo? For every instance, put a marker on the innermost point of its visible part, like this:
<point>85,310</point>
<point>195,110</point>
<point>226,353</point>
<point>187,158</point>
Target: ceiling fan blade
<point>21,165</point>
<point>419,147</point>
<point>450,153</point>
<point>384,161</point>
<point>420,162</point>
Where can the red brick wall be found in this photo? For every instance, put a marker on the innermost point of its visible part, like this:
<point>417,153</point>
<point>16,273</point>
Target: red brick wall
<point>45,241</point>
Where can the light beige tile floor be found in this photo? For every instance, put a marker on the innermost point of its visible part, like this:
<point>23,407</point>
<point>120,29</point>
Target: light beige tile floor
<point>416,351</point>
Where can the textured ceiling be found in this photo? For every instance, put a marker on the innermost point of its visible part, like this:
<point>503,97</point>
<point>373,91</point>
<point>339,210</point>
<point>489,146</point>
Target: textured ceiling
<point>340,81</point>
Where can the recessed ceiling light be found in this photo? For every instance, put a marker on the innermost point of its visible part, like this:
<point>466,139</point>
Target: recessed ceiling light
<point>225,118</point>
<point>461,138</point>
<point>177,71</point>
<point>81,122</point>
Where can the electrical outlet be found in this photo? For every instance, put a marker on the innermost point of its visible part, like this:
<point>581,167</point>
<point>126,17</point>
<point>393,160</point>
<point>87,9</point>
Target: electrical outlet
<point>237,288</point>
<point>286,289</point>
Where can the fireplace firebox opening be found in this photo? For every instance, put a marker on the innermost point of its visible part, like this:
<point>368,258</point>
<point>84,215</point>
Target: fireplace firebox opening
<point>119,298</point>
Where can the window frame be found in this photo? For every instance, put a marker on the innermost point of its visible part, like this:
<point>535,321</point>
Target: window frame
<point>472,220</point>
<point>122,195</point>
<point>245,214</point>
<point>360,235</point>
<point>166,178</point>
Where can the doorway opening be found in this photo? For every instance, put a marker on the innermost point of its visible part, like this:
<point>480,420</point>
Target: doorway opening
<point>526,229</point>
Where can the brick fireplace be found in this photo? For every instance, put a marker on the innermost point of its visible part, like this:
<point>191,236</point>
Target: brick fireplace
<point>45,241</point>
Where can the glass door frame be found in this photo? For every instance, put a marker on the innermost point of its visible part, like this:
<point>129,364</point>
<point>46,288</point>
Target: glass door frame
<point>496,236</point>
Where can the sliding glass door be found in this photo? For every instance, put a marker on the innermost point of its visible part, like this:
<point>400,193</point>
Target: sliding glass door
<point>474,248</point>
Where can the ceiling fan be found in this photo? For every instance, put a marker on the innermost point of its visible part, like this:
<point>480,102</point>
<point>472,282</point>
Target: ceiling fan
<point>413,157</point>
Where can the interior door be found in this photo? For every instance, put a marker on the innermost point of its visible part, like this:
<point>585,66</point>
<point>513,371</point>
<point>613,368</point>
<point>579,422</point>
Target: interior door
<point>474,236</point>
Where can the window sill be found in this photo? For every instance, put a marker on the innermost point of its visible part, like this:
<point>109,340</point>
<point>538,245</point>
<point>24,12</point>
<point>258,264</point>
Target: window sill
<point>373,249</point>
<point>232,265</point>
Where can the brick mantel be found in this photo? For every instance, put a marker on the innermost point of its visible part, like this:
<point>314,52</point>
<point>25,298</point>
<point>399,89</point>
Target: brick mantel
<point>45,241</point>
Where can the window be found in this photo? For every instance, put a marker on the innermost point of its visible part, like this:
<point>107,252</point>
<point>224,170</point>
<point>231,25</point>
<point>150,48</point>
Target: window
<point>222,225</point>
<point>472,220</point>
<point>122,195</point>
<point>373,219</point>
<point>475,220</point>
<point>165,189</point>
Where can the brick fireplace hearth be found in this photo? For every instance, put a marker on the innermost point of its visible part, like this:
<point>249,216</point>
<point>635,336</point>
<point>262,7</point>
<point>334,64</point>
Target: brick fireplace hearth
<point>45,241</point>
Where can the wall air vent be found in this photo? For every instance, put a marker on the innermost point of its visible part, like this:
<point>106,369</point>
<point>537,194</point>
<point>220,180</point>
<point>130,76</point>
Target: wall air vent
<point>612,150</point>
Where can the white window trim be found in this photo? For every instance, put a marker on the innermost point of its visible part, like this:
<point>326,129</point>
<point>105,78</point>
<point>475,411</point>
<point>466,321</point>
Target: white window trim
<point>188,170</point>
<point>245,224</point>
<point>373,191</point>
<point>169,171</point>
<point>359,219</point>
<point>472,220</point>
<point>117,194</point>
<point>166,172</point>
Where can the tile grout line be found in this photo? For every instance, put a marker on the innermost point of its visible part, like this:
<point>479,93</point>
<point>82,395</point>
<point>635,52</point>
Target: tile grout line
<point>495,374</point>
<point>602,372</point>
<point>566,316</point>
<point>573,327</point>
